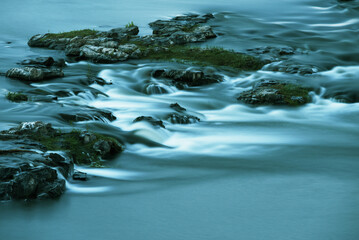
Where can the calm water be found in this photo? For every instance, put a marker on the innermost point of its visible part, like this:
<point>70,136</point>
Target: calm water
<point>242,172</point>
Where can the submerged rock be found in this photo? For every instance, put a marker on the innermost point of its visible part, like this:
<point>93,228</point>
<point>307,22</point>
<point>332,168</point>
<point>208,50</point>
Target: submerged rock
<point>151,120</point>
<point>177,107</point>
<point>271,92</point>
<point>177,118</point>
<point>187,77</point>
<point>81,176</point>
<point>44,62</point>
<point>32,74</point>
<point>292,68</point>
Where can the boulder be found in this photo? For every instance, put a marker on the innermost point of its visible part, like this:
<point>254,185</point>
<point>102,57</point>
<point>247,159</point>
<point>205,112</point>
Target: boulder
<point>32,74</point>
<point>151,120</point>
<point>187,77</point>
<point>272,92</point>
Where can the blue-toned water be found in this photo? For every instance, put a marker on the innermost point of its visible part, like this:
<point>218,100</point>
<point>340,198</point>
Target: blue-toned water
<point>243,172</point>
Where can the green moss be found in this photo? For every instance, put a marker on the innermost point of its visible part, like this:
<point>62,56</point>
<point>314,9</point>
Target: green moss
<point>71,34</point>
<point>130,24</point>
<point>16,96</point>
<point>82,153</point>
<point>292,90</point>
<point>212,56</point>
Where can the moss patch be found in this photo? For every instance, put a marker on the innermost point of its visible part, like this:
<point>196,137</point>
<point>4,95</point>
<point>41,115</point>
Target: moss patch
<point>212,56</point>
<point>292,91</point>
<point>71,34</point>
<point>82,152</point>
<point>16,97</point>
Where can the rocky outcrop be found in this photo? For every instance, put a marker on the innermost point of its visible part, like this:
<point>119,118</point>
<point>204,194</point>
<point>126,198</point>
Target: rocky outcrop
<point>272,92</point>
<point>27,172</point>
<point>35,158</point>
<point>187,77</point>
<point>120,44</point>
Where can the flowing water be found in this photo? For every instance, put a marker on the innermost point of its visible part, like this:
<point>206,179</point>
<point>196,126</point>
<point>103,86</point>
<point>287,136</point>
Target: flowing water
<point>241,173</point>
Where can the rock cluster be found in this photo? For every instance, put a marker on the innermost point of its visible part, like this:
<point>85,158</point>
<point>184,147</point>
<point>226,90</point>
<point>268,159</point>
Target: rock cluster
<point>38,69</point>
<point>35,158</point>
<point>120,44</point>
<point>181,78</point>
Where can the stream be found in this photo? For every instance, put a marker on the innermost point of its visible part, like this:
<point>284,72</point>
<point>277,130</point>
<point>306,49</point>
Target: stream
<point>242,172</point>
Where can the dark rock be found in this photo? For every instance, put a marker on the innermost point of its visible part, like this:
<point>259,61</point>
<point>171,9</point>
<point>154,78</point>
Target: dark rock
<point>64,164</point>
<point>42,61</point>
<point>102,147</point>
<point>88,114</point>
<point>271,92</point>
<point>177,118</point>
<point>151,120</point>
<point>119,32</point>
<point>24,186</point>
<point>5,190</point>
<point>177,107</point>
<point>292,68</point>
<point>34,74</point>
<point>81,176</point>
<point>52,190</point>
<point>188,77</point>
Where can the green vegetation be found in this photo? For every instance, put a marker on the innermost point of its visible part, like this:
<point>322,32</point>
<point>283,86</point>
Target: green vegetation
<point>130,24</point>
<point>81,151</point>
<point>292,91</point>
<point>71,34</point>
<point>212,56</point>
<point>16,96</point>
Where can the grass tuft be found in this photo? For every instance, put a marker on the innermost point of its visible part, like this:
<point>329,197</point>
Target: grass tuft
<point>16,97</point>
<point>71,34</point>
<point>130,24</point>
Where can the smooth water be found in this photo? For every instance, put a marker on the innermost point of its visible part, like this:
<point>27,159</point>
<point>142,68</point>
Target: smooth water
<point>242,172</point>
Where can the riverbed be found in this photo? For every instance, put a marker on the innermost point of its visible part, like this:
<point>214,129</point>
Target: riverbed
<point>242,172</point>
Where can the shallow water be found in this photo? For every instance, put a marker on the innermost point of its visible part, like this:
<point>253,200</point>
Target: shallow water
<point>242,172</point>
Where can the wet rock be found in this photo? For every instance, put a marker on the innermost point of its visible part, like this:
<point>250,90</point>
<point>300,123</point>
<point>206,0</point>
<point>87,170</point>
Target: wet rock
<point>44,62</point>
<point>187,77</point>
<point>88,114</point>
<point>81,176</point>
<point>184,29</point>
<point>33,128</point>
<point>32,154</point>
<point>32,74</point>
<point>102,54</point>
<point>151,120</point>
<point>177,107</point>
<point>177,118</point>
<point>119,32</point>
<point>292,68</point>
<point>53,190</point>
<point>272,92</point>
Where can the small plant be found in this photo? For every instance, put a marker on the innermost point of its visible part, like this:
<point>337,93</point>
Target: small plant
<point>130,24</point>
<point>16,97</point>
